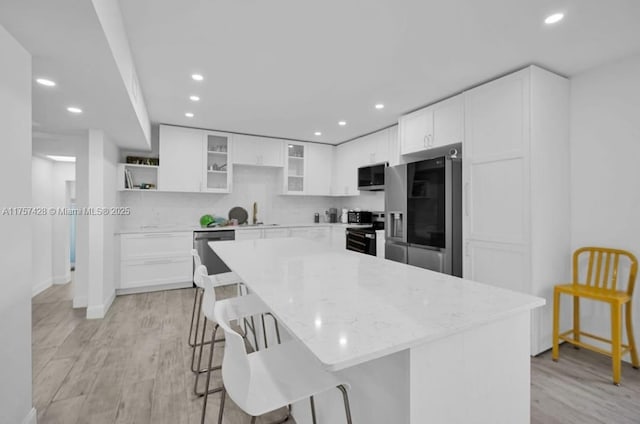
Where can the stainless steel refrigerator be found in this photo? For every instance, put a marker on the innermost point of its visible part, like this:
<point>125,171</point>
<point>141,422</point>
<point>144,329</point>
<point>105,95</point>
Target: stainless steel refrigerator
<point>423,208</point>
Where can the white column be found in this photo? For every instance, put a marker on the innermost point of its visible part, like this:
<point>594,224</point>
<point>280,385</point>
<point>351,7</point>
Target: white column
<point>15,243</point>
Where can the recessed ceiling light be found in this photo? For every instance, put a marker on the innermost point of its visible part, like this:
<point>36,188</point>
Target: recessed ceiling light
<point>379,106</point>
<point>62,158</point>
<point>194,98</point>
<point>197,77</point>
<point>44,81</point>
<point>74,109</point>
<point>189,115</point>
<point>317,133</point>
<point>342,123</point>
<point>552,19</point>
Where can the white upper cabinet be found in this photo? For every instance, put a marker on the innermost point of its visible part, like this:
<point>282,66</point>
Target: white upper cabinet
<point>319,169</point>
<point>368,150</point>
<point>416,131</point>
<point>258,151</point>
<point>345,176</point>
<point>181,163</point>
<point>295,168</point>
<point>194,160</point>
<point>437,125</point>
<point>217,169</point>
<point>308,169</point>
<point>448,122</point>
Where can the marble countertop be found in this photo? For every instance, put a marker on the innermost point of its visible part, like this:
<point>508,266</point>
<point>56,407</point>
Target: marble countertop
<point>349,308</point>
<point>189,228</point>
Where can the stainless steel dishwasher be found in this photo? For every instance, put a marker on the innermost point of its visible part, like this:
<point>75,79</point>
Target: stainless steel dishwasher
<point>201,239</point>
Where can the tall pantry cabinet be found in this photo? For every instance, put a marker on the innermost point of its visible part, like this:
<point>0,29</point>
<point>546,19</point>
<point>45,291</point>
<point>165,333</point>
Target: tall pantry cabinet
<point>516,188</point>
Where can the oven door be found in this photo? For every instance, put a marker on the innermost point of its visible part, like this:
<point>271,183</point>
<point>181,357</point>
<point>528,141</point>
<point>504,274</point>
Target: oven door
<point>361,241</point>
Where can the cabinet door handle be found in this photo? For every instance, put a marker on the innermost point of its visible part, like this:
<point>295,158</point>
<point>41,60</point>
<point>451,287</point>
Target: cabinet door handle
<point>426,140</point>
<point>158,235</point>
<point>157,261</point>
<point>466,199</point>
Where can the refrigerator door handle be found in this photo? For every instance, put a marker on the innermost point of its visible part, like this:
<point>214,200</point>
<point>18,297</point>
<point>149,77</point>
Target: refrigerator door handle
<point>466,199</point>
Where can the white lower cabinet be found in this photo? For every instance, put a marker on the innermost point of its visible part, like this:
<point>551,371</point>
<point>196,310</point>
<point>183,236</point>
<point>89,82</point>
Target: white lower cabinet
<point>251,234</point>
<point>275,232</point>
<point>338,238</point>
<point>320,234</point>
<point>153,261</point>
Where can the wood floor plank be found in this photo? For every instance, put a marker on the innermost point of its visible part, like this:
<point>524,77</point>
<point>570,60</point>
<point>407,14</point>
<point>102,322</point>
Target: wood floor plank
<point>78,338</point>
<point>82,376</point>
<point>135,403</point>
<point>47,383</point>
<point>101,404</point>
<point>40,357</point>
<point>66,411</point>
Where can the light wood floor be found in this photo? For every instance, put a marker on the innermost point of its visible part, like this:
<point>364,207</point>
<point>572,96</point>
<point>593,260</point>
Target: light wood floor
<point>133,367</point>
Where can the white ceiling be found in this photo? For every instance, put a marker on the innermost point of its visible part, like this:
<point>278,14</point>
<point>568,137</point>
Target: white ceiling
<point>288,68</point>
<point>68,46</point>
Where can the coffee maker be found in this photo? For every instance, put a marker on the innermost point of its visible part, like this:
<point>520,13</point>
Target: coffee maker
<point>333,215</point>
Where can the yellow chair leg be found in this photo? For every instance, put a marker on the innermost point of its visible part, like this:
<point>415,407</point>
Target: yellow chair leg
<point>616,333</point>
<point>556,325</point>
<point>576,320</point>
<point>632,342</point>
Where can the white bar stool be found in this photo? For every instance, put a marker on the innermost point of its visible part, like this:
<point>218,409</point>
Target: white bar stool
<point>223,279</point>
<point>248,306</point>
<point>270,379</point>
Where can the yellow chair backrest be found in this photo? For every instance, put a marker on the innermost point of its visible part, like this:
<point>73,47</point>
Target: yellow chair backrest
<point>603,268</point>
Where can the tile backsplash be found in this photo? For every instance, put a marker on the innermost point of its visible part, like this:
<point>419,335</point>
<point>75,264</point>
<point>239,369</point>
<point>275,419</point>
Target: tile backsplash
<point>250,184</point>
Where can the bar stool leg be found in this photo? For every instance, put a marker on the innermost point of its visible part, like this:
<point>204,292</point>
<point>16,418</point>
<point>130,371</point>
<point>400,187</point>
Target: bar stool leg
<point>632,342</point>
<point>208,380</point>
<point>193,315</point>
<point>193,351</point>
<point>347,408</point>
<point>221,411</point>
<point>576,320</point>
<point>313,410</point>
<point>555,353</point>
<point>616,330</point>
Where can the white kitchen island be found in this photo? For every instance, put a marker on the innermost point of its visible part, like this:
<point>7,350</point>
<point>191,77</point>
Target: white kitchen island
<point>416,346</point>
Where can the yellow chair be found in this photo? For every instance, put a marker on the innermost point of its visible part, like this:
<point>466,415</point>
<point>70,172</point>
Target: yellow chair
<point>601,284</point>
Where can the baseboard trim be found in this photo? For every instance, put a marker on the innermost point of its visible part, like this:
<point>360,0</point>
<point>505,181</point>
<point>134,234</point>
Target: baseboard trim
<point>80,302</point>
<point>31,418</point>
<point>39,288</point>
<point>62,279</point>
<point>99,311</point>
<point>109,302</point>
<point>153,288</point>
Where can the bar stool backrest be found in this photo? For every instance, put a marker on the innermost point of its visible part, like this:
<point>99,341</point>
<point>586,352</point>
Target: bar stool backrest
<point>603,268</point>
<point>209,296</point>
<point>236,372</point>
<point>197,279</point>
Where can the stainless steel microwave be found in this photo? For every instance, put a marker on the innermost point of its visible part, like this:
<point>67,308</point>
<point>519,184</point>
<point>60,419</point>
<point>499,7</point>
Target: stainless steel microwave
<point>371,177</point>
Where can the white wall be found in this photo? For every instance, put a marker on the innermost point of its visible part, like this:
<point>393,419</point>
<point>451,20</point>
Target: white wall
<point>42,197</point>
<point>250,184</point>
<point>15,243</point>
<point>63,173</point>
<point>605,152</point>
<point>50,235</point>
<point>81,280</point>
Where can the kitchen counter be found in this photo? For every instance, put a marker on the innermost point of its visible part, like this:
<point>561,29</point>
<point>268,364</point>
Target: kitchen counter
<point>446,349</point>
<point>180,228</point>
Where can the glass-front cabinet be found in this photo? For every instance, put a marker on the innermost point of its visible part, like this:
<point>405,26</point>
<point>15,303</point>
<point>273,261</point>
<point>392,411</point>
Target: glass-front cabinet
<point>217,165</point>
<point>295,167</point>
